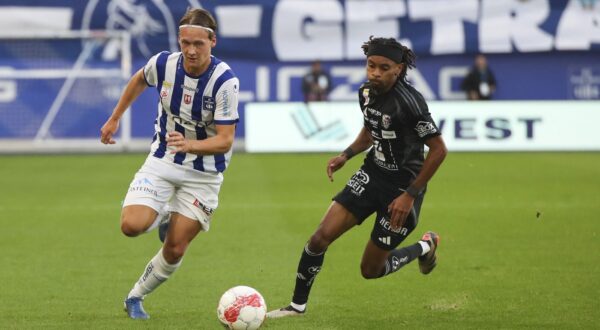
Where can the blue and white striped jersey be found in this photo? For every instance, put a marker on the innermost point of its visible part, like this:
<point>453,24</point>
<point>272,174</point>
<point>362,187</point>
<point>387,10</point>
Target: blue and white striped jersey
<point>192,106</point>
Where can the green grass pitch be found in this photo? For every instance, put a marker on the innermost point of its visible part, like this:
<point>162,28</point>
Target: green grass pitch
<point>65,264</point>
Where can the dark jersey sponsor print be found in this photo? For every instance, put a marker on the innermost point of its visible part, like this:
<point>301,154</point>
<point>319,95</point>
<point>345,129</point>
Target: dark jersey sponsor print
<point>399,122</point>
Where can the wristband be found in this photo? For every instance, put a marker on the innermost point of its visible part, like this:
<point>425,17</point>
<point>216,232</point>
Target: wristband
<point>413,191</point>
<point>348,153</point>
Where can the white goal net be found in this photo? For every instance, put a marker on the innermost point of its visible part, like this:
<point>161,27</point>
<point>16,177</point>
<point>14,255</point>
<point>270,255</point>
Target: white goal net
<point>58,88</point>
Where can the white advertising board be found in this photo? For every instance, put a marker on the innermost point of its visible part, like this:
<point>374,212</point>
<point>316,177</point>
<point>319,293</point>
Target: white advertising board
<point>465,126</point>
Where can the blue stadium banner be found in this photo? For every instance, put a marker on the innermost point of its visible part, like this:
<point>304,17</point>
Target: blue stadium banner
<point>332,30</point>
<point>537,49</point>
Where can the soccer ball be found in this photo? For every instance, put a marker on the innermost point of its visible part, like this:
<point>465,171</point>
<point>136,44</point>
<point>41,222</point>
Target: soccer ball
<point>242,307</point>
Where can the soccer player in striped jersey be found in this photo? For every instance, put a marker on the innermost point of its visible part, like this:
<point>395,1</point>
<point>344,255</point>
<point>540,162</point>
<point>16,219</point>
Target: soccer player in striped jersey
<point>391,182</point>
<point>191,148</point>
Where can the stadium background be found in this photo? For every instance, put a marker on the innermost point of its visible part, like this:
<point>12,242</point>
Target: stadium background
<point>538,50</point>
<point>519,229</point>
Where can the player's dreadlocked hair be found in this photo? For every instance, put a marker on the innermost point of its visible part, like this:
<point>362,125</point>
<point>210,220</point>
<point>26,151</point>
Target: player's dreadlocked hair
<point>401,53</point>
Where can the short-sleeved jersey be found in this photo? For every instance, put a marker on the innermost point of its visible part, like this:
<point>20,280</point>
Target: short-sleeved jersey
<point>192,106</point>
<point>399,122</point>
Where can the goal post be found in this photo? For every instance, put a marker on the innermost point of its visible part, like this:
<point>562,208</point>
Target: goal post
<point>57,88</point>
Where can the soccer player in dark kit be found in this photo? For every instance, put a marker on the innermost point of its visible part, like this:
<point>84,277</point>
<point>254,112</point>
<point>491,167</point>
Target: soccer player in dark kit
<point>391,182</point>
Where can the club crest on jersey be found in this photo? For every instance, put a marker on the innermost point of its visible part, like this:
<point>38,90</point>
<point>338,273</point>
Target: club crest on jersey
<point>187,98</point>
<point>208,103</point>
<point>366,96</point>
<point>386,121</point>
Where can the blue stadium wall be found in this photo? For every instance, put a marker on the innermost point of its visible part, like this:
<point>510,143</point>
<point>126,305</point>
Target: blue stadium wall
<point>538,49</point>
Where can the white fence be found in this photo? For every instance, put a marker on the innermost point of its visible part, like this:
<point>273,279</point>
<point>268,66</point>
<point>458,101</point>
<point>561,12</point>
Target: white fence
<point>465,126</point>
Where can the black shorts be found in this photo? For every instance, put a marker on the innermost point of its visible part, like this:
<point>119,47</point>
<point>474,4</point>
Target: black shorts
<point>365,194</point>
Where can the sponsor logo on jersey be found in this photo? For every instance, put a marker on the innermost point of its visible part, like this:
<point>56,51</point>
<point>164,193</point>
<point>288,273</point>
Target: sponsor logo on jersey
<point>385,240</point>
<point>148,271</point>
<point>144,189</point>
<point>386,121</point>
<point>385,223</point>
<point>314,269</point>
<point>190,89</point>
<point>425,128</point>
<point>388,134</point>
<point>164,93</point>
<point>190,124</point>
<point>208,103</point>
<point>373,111</point>
<point>142,185</point>
<point>204,208</point>
<point>397,262</point>
<point>226,103</point>
<point>383,164</point>
<point>187,98</point>
<point>142,181</point>
<point>366,96</point>
<point>357,181</point>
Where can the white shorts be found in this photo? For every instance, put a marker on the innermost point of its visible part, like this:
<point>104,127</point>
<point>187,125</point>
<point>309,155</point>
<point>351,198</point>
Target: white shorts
<point>189,192</point>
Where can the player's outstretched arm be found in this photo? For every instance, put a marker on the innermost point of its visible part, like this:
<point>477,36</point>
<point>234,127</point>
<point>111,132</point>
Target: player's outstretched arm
<point>134,88</point>
<point>362,142</point>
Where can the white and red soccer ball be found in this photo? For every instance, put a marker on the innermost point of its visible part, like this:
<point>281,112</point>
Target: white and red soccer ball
<point>242,307</point>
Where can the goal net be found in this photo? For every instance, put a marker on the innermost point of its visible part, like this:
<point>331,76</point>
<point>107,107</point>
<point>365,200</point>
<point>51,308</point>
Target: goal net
<point>58,88</point>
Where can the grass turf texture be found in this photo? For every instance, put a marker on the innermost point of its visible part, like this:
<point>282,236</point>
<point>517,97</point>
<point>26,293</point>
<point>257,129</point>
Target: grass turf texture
<point>65,263</point>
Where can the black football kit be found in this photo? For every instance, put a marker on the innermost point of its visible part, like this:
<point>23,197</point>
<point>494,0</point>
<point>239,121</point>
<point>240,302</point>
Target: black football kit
<point>399,123</point>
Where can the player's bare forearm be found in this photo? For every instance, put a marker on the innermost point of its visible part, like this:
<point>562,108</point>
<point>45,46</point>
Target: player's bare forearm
<point>218,144</point>
<point>435,157</point>
<point>214,145</point>
<point>363,141</point>
<point>134,88</point>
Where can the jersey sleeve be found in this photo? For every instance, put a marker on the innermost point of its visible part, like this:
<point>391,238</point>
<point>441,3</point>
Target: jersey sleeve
<point>420,118</point>
<point>226,111</point>
<point>425,126</point>
<point>150,72</point>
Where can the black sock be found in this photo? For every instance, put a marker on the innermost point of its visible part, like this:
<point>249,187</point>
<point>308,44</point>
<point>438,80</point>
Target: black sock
<point>400,257</point>
<point>308,268</point>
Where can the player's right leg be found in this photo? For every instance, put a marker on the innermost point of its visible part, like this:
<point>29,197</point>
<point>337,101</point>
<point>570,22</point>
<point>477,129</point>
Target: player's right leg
<point>336,222</point>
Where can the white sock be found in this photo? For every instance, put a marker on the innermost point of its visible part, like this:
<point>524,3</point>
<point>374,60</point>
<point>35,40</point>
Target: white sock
<point>164,212</point>
<point>425,246</point>
<point>297,307</point>
<point>157,271</point>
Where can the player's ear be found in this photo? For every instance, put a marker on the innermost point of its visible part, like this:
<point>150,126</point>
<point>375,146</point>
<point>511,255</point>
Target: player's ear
<point>400,69</point>
<point>213,41</point>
